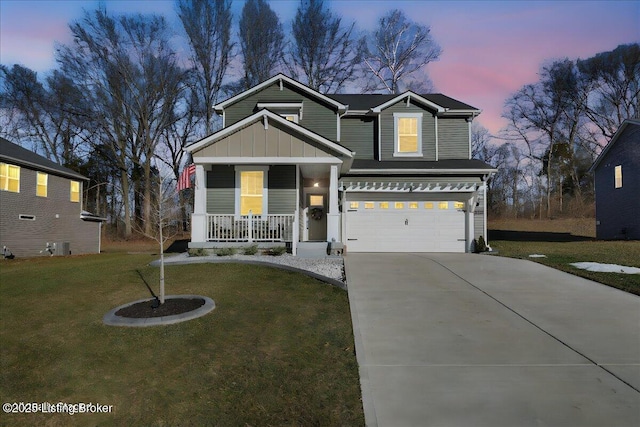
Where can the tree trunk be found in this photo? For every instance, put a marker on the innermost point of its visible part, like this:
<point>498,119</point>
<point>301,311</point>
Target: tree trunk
<point>124,180</point>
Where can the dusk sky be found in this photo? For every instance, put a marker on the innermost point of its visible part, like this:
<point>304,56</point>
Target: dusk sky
<point>490,48</point>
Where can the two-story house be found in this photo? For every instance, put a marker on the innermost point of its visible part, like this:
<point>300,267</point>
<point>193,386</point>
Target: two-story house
<point>41,206</point>
<point>377,173</point>
<point>616,174</point>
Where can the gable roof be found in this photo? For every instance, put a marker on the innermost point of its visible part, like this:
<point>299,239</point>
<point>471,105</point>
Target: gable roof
<point>280,78</point>
<point>15,154</point>
<point>619,132</point>
<point>265,114</point>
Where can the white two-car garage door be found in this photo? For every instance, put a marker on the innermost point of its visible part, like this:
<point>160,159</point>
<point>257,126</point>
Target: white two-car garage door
<point>405,226</point>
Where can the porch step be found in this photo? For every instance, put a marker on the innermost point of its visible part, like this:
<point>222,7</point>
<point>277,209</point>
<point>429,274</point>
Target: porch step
<point>313,250</point>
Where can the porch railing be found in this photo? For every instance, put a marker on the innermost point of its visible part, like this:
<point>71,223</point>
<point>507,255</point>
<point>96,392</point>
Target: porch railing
<point>250,228</point>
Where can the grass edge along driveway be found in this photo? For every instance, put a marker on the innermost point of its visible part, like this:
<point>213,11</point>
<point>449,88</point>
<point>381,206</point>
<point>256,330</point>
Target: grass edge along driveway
<point>277,350</point>
<point>560,255</point>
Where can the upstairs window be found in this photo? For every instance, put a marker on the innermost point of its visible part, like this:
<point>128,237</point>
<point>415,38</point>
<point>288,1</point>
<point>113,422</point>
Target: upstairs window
<point>618,176</point>
<point>41,184</point>
<point>408,134</point>
<point>75,191</point>
<point>9,178</point>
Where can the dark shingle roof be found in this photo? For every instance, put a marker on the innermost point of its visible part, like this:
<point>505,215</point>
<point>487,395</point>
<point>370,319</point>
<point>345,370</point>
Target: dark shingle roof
<point>456,164</point>
<point>15,154</point>
<point>366,101</point>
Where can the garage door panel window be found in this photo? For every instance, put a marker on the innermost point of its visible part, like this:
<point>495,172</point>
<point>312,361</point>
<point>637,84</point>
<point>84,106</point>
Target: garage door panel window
<point>399,205</point>
<point>384,205</point>
<point>443,205</point>
<point>428,205</point>
<point>368,205</point>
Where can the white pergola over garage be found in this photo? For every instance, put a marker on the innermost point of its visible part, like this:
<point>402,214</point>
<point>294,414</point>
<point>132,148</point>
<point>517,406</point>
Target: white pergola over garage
<point>402,216</point>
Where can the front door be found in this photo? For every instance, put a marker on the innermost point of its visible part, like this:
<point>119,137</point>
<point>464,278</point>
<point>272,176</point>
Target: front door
<point>317,216</point>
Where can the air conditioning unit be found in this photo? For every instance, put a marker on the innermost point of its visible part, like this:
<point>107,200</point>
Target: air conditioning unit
<point>62,248</point>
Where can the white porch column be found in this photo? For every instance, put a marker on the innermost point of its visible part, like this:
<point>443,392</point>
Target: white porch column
<point>333,216</point>
<point>468,220</point>
<point>199,216</point>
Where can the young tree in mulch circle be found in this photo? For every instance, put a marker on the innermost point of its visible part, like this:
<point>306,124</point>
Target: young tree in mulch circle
<point>165,217</point>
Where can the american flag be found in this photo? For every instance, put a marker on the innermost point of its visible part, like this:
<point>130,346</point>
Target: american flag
<point>185,177</point>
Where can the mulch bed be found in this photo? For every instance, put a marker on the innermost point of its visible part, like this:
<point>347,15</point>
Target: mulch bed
<point>171,307</point>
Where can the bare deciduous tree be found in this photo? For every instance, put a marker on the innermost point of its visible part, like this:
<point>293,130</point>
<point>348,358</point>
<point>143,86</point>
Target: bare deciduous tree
<point>397,49</point>
<point>324,52</point>
<point>208,27</point>
<point>261,41</point>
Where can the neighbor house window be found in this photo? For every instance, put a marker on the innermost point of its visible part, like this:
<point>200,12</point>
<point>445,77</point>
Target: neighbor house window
<point>251,192</point>
<point>41,184</point>
<point>75,191</point>
<point>618,176</point>
<point>408,134</point>
<point>9,178</point>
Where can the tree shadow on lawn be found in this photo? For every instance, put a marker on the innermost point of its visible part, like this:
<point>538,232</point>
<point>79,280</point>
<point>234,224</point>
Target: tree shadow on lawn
<point>535,236</point>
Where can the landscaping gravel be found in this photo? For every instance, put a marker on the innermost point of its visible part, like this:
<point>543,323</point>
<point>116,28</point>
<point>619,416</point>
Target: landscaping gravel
<point>332,268</point>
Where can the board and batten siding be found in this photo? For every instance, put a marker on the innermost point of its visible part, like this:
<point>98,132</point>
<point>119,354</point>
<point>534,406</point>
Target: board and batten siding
<point>387,126</point>
<point>55,218</point>
<point>256,141</point>
<point>358,135</point>
<point>453,138</point>
<point>316,116</point>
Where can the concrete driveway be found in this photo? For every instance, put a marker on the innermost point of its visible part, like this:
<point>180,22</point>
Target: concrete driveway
<point>473,340</point>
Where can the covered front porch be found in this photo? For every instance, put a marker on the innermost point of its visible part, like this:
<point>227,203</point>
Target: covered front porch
<point>266,181</point>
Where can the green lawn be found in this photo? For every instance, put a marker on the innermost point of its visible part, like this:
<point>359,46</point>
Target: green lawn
<point>277,350</point>
<point>561,254</point>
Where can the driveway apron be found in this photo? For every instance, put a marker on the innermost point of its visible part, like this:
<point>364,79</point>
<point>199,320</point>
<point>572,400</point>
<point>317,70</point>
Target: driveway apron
<point>472,340</point>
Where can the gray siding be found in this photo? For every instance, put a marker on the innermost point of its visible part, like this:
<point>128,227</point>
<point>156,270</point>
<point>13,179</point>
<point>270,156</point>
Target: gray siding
<point>221,191</point>
<point>387,131</point>
<point>256,141</point>
<point>453,138</point>
<point>282,189</point>
<point>358,134</point>
<point>618,209</point>
<point>316,116</point>
<point>57,219</point>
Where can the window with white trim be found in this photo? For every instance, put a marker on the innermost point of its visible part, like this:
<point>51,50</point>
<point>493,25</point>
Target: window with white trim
<point>618,176</point>
<point>9,178</point>
<point>407,134</point>
<point>251,192</point>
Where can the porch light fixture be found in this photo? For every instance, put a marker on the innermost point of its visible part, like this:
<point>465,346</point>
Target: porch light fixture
<point>316,184</point>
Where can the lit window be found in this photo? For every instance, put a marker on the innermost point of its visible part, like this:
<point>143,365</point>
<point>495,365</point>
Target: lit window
<point>291,117</point>
<point>428,205</point>
<point>458,205</point>
<point>618,176</point>
<point>384,205</point>
<point>408,134</point>
<point>9,178</point>
<point>368,205</point>
<point>251,189</point>
<point>399,205</point>
<point>354,205</point>
<point>316,200</point>
<point>443,205</point>
<point>41,184</point>
<point>413,205</point>
<point>75,191</point>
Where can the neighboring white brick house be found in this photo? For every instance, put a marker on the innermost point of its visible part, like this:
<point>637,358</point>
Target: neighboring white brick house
<point>40,203</point>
